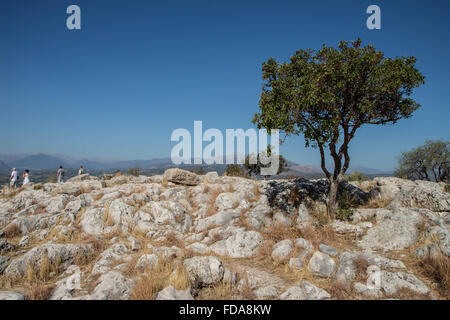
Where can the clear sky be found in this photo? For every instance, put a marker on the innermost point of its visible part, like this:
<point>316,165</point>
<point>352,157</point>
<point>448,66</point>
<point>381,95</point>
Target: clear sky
<point>137,70</point>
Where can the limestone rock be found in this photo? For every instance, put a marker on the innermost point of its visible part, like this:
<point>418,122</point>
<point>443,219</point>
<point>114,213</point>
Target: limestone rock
<point>180,176</point>
<point>204,271</point>
<point>170,293</point>
<point>321,265</point>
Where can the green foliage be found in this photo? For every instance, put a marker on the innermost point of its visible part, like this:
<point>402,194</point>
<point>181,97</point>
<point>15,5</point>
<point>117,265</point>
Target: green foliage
<point>327,95</point>
<point>234,170</point>
<point>199,171</point>
<point>136,171</point>
<point>344,211</point>
<point>255,169</point>
<point>430,161</point>
<point>356,176</point>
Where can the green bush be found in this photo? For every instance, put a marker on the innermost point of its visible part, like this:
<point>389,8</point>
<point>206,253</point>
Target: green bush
<point>234,170</point>
<point>136,171</point>
<point>344,212</point>
<point>200,171</point>
<point>356,176</point>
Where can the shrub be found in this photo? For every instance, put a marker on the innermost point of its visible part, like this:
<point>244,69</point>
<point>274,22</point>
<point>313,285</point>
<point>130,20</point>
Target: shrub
<point>234,170</point>
<point>430,161</point>
<point>356,176</point>
<point>344,211</point>
<point>136,171</point>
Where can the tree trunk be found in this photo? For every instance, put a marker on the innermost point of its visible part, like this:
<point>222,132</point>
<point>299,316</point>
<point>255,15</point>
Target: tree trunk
<point>333,198</point>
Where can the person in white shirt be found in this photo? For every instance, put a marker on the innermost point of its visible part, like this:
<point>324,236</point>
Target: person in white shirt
<point>81,171</point>
<point>60,174</point>
<point>13,178</point>
<point>26,177</point>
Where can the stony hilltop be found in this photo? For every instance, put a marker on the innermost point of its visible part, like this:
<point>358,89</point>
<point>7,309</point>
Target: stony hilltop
<point>186,236</point>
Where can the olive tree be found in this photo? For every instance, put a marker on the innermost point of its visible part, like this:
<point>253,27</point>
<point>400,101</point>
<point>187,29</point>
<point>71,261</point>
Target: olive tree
<point>430,161</point>
<point>327,95</point>
<point>254,169</point>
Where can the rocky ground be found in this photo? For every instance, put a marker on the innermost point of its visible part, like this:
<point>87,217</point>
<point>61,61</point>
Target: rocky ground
<point>183,236</point>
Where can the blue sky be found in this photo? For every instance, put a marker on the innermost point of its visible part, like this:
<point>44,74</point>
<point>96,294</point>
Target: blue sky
<point>137,70</point>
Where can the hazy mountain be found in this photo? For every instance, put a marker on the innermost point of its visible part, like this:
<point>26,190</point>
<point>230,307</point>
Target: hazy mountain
<point>4,166</point>
<point>53,161</point>
<point>38,161</point>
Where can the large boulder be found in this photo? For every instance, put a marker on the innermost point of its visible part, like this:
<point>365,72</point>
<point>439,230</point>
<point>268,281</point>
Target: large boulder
<point>396,231</point>
<point>282,249</point>
<point>288,195</point>
<point>11,295</point>
<point>306,291</point>
<point>412,194</point>
<point>241,244</point>
<point>170,293</point>
<point>55,253</point>
<point>113,286</point>
<point>180,176</point>
<point>204,271</point>
<point>3,263</point>
<point>321,265</point>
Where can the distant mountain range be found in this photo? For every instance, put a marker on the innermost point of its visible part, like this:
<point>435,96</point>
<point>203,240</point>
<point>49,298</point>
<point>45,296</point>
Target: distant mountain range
<point>43,161</point>
<point>3,166</point>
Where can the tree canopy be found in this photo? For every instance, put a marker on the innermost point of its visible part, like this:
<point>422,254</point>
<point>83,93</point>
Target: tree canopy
<point>430,161</point>
<point>327,95</point>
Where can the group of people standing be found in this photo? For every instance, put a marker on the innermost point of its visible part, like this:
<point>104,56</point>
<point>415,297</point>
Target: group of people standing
<point>14,178</point>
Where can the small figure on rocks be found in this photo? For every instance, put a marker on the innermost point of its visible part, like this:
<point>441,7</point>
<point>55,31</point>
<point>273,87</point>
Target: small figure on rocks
<point>81,171</point>
<point>13,178</point>
<point>60,174</point>
<point>26,177</point>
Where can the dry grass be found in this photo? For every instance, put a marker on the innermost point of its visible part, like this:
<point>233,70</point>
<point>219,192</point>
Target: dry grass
<point>39,291</point>
<point>220,291</point>
<point>243,222</point>
<point>107,218</point>
<point>11,193</point>
<point>12,230</point>
<point>163,275</point>
<point>213,194</point>
<point>279,232</point>
<point>408,294</point>
<point>172,240</point>
<point>438,270</point>
<point>339,291</point>
<point>246,291</point>
<point>376,203</point>
<point>361,266</point>
<point>164,182</point>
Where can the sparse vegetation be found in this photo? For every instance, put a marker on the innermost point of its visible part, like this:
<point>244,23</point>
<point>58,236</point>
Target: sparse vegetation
<point>136,171</point>
<point>428,162</point>
<point>235,170</point>
<point>356,176</point>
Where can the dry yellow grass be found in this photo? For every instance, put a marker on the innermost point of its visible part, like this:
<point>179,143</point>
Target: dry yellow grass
<point>107,218</point>
<point>12,230</point>
<point>163,275</point>
<point>220,291</point>
<point>437,268</point>
<point>376,203</point>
